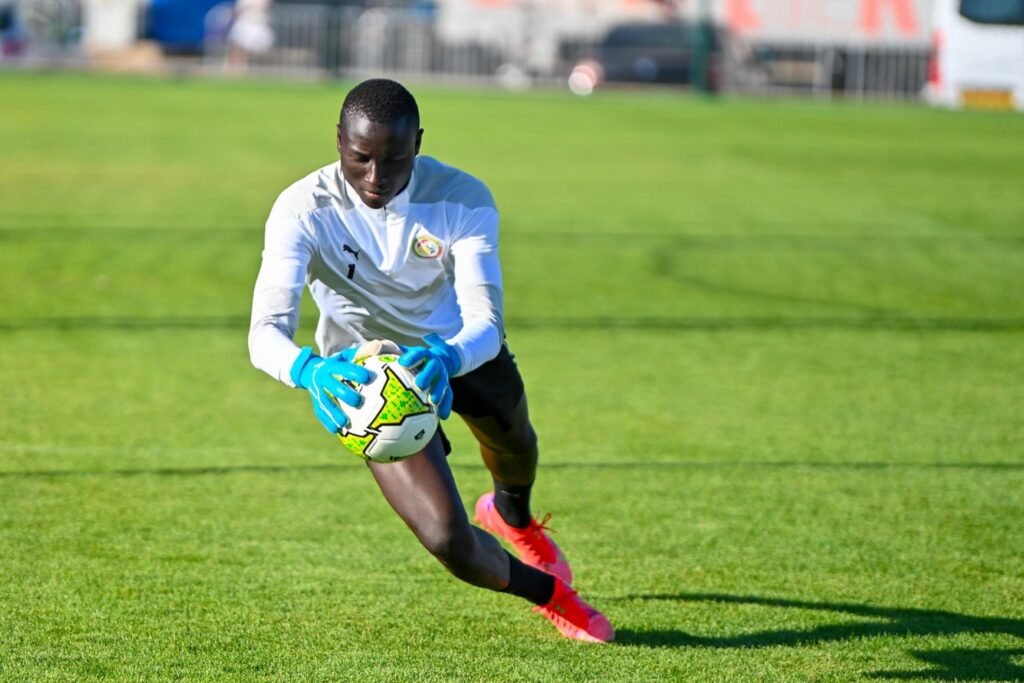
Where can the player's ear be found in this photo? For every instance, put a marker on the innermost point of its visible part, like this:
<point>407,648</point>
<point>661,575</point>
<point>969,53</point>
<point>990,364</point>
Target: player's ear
<point>338,138</point>
<point>419,139</point>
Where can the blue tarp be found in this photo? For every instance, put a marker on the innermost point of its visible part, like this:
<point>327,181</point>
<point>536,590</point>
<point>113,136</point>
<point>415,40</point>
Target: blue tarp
<point>178,25</point>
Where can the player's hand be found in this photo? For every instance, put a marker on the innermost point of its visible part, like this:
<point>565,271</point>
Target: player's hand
<point>439,362</point>
<point>323,379</point>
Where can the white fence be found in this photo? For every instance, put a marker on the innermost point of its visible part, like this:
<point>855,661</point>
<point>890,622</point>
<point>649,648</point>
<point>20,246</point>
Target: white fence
<point>859,71</point>
<point>47,28</point>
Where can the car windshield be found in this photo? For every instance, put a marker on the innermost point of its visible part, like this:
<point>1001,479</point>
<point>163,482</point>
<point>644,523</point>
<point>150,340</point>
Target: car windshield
<point>1006,12</point>
<point>650,35</point>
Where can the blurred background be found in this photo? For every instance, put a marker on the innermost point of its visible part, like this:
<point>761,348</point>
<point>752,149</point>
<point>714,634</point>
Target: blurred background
<point>948,52</point>
<point>773,339</point>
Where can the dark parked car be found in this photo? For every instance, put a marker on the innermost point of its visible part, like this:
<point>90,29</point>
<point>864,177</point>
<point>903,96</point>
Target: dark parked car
<point>646,52</point>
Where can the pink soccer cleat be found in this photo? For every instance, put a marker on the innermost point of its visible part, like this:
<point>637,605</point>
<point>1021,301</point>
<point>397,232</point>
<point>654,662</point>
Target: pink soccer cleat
<point>532,544</point>
<point>574,618</point>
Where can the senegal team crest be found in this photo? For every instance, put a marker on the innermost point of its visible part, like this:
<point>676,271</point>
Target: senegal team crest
<point>427,246</point>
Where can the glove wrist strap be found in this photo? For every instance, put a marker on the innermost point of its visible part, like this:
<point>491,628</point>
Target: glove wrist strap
<point>300,363</point>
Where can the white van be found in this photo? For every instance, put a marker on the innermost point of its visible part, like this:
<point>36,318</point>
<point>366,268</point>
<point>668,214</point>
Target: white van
<point>978,54</point>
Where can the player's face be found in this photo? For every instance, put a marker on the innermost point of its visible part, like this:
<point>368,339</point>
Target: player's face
<point>376,158</point>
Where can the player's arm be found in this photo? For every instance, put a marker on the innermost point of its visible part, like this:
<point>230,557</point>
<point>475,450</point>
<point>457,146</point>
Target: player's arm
<point>478,288</point>
<point>288,250</point>
<point>477,281</point>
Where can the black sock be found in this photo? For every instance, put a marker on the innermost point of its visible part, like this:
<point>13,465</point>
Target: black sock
<point>529,582</point>
<point>513,503</point>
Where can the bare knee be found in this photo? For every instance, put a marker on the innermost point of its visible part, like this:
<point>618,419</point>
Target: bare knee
<point>451,544</point>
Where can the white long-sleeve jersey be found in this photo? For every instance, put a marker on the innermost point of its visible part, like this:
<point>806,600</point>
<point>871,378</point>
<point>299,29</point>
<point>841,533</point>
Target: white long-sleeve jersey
<point>426,262</point>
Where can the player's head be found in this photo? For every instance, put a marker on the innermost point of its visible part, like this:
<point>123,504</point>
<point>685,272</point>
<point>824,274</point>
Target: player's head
<point>379,137</point>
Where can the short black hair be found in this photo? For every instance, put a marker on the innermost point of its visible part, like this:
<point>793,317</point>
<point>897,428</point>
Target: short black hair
<point>382,101</point>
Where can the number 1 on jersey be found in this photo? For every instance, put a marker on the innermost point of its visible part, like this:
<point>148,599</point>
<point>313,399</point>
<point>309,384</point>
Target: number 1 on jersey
<point>352,266</point>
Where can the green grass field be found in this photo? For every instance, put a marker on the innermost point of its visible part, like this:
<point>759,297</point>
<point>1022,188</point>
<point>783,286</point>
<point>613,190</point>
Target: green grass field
<point>774,350</point>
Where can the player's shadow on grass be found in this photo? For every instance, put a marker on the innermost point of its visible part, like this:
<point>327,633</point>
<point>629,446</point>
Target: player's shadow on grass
<point>946,665</point>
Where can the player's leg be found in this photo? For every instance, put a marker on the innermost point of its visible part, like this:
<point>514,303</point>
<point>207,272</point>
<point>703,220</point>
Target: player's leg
<point>511,456</point>
<point>422,490</point>
<point>509,449</point>
<point>492,401</point>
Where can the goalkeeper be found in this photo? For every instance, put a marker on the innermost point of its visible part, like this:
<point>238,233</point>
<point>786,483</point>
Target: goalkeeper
<point>393,245</point>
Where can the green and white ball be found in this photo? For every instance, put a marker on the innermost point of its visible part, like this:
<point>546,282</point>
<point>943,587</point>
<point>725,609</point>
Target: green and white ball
<point>396,419</point>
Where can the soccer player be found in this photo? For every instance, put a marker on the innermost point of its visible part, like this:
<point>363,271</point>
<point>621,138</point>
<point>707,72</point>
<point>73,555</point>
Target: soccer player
<point>394,245</point>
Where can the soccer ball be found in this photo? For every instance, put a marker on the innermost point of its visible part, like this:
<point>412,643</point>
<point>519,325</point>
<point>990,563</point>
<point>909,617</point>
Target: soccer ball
<point>397,418</point>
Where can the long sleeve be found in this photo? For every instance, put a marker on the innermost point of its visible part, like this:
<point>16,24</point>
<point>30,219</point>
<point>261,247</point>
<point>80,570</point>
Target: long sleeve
<point>478,289</point>
<point>287,251</point>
